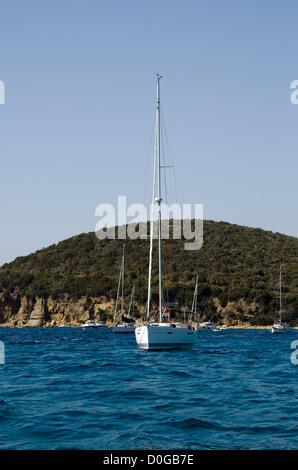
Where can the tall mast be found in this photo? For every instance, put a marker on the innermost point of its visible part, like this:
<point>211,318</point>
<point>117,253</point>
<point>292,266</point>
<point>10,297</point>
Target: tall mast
<point>152,220</point>
<point>122,279</point>
<point>133,301</point>
<point>280,294</point>
<point>195,297</point>
<point>159,198</point>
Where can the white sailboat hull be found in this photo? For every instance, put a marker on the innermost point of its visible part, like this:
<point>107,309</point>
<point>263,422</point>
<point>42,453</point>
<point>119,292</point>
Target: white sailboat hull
<point>124,329</point>
<point>278,329</point>
<point>154,337</point>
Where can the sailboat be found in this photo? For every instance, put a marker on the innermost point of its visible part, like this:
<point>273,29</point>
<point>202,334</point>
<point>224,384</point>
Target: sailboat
<point>195,300</point>
<point>127,325</point>
<point>160,335</point>
<point>200,326</point>
<point>279,327</point>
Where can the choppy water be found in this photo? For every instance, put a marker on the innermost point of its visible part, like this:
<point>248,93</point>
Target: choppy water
<point>68,388</point>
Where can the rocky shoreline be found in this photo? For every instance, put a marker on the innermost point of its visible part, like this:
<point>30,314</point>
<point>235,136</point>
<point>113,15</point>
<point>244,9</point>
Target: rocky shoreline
<point>53,313</point>
<point>109,325</point>
<point>23,312</point>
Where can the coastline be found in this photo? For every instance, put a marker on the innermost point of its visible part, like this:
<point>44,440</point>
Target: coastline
<point>238,327</point>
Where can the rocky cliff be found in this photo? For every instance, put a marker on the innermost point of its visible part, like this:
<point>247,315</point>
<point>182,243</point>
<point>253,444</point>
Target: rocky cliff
<point>23,312</point>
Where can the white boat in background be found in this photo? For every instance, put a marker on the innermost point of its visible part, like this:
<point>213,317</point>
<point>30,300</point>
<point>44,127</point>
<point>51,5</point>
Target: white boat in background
<point>126,325</point>
<point>89,324</point>
<point>94,324</point>
<point>124,328</point>
<point>161,335</point>
<point>200,326</point>
<point>279,327</point>
<point>207,326</point>
<point>101,324</point>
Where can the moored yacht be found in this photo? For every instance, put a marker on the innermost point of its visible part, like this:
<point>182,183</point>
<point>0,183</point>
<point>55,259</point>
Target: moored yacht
<point>207,326</point>
<point>124,328</point>
<point>125,325</point>
<point>279,327</point>
<point>94,324</point>
<point>160,335</point>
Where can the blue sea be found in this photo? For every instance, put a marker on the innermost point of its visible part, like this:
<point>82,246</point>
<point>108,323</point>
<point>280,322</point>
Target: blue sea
<point>69,388</point>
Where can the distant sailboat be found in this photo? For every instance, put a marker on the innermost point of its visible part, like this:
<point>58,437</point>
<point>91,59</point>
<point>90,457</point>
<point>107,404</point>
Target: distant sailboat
<point>194,316</point>
<point>279,327</point>
<point>161,335</point>
<point>126,325</point>
<point>132,303</point>
<point>207,326</point>
<point>195,300</point>
<point>201,326</point>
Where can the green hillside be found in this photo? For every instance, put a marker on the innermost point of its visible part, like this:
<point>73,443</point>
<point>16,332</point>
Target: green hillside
<point>237,268</point>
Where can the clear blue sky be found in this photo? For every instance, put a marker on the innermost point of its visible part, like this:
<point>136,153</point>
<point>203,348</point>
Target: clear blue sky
<point>76,126</point>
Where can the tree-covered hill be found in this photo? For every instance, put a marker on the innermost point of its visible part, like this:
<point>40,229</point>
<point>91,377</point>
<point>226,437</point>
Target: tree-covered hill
<point>237,268</point>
